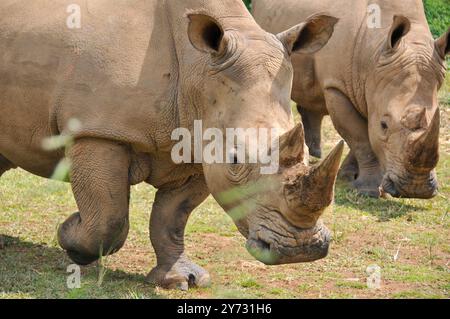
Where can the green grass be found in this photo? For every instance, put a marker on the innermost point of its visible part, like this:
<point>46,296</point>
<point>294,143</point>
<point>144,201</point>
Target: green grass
<point>444,93</point>
<point>415,295</point>
<point>249,282</point>
<point>351,284</point>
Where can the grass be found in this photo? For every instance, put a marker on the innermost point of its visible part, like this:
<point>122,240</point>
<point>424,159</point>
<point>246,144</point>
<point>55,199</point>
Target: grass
<point>407,238</point>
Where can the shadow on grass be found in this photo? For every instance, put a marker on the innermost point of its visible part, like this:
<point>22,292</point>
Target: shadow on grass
<point>38,271</point>
<point>383,209</point>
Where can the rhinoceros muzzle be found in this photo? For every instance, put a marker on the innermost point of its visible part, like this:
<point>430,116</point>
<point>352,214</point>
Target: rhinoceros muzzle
<point>310,245</point>
<point>416,177</point>
<point>424,187</point>
<point>295,234</point>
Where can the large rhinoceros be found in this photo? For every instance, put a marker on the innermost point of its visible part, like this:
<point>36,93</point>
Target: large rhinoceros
<point>378,80</point>
<point>129,74</point>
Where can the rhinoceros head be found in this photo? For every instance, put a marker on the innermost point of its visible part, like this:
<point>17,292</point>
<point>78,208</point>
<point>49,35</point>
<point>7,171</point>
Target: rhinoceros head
<point>249,86</point>
<point>403,108</point>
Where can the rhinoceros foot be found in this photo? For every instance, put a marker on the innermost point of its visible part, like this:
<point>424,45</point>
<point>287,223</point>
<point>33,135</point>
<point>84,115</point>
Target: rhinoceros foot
<point>366,181</point>
<point>368,186</point>
<point>184,274</point>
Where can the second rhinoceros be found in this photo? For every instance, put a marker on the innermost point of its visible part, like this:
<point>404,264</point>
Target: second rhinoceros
<point>128,75</point>
<point>378,79</point>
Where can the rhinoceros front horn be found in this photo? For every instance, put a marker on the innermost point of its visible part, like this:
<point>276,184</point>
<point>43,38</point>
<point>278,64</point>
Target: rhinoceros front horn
<point>424,152</point>
<point>312,189</point>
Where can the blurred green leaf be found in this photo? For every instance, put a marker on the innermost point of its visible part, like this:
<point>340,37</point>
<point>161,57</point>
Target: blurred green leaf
<point>438,15</point>
<point>248,3</point>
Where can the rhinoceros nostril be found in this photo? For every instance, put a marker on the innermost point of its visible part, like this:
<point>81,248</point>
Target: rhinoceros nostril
<point>389,187</point>
<point>262,250</point>
<point>263,245</point>
<point>191,280</point>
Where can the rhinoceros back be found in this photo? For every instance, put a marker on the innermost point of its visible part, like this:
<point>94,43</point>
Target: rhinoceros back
<point>348,52</point>
<point>109,74</point>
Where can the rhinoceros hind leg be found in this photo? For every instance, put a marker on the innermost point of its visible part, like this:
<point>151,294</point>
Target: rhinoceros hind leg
<point>349,170</point>
<point>312,122</point>
<point>169,216</point>
<point>100,184</point>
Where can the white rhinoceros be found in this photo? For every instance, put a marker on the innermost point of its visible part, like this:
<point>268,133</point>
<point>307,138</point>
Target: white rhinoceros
<point>378,79</point>
<point>130,72</point>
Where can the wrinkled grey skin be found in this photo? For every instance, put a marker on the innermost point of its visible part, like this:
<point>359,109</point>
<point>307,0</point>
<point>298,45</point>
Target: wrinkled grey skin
<point>134,72</point>
<point>379,85</point>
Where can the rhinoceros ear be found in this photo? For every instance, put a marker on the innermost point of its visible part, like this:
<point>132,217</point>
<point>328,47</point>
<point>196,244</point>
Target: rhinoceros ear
<point>443,44</point>
<point>310,36</point>
<point>399,29</point>
<point>205,33</point>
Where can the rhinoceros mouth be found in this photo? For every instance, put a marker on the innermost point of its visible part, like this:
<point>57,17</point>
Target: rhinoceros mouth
<point>424,187</point>
<point>305,245</point>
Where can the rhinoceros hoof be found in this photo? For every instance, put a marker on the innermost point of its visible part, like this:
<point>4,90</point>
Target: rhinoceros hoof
<point>315,151</point>
<point>182,275</point>
<point>367,187</point>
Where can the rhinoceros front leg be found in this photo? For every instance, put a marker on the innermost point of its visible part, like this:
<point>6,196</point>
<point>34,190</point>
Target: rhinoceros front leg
<point>100,183</point>
<point>312,122</point>
<point>169,216</point>
<point>5,165</point>
<point>354,129</point>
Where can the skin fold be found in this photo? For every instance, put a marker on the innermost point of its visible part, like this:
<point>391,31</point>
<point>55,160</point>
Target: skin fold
<point>133,73</point>
<point>379,86</point>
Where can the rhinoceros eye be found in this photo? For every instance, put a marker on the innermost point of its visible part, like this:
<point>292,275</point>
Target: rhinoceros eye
<point>384,126</point>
